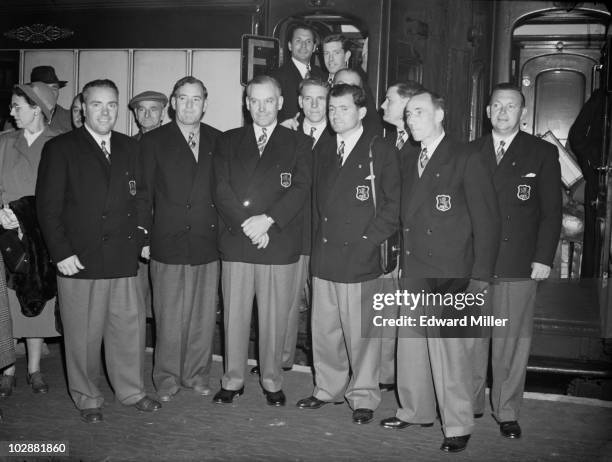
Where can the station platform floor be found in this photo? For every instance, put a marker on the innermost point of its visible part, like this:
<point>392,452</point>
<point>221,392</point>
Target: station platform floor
<point>193,428</point>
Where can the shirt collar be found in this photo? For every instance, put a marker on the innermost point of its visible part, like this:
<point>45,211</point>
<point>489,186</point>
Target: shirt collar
<point>31,137</point>
<point>433,145</point>
<point>269,129</point>
<point>319,128</point>
<point>186,131</point>
<point>100,138</point>
<point>507,140</point>
<point>349,141</point>
<point>303,68</point>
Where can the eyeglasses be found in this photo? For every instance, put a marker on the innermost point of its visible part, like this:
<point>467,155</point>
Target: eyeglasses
<point>17,106</point>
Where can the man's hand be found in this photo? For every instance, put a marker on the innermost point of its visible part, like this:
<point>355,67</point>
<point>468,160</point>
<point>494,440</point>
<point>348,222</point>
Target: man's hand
<point>477,286</point>
<point>539,271</point>
<point>262,242</point>
<point>146,252</point>
<point>70,266</point>
<point>255,226</point>
<point>293,123</point>
<point>8,220</point>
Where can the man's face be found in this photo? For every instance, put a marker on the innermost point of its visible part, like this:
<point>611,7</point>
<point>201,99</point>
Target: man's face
<point>100,109</point>
<point>55,88</point>
<point>189,104</point>
<point>423,118</point>
<point>393,107</point>
<point>302,45</point>
<point>76,112</point>
<point>335,57</point>
<point>149,115</point>
<point>263,102</point>
<point>505,111</point>
<point>348,77</point>
<point>313,102</point>
<point>344,115</point>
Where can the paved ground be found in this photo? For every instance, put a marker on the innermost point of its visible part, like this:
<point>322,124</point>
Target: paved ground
<point>192,428</point>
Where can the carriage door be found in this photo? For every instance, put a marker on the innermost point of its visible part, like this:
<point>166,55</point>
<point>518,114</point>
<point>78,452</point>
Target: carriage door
<point>557,66</point>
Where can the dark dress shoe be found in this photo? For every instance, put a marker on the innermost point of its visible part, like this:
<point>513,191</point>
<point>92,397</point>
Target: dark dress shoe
<point>478,415</point>
<point>275,398</point>
<point>398,424</point>
<point>314,403</point>
<point>254,370</point>
<point>287,368</point>
<point>92,415</point>
<point>363,416</point>
<point>37,382</point>
<point>147,404</point>
<point>224,396</point>
<point>386,386</point>
<point>455,443</point>
<point>510,429</point>
<point>7,383</point>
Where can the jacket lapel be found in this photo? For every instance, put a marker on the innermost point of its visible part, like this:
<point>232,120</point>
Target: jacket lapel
<point>247,152</point>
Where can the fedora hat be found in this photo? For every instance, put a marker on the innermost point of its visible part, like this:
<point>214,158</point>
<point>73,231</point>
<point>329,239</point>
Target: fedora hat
<point>42,96</point>
<point>46,74</point>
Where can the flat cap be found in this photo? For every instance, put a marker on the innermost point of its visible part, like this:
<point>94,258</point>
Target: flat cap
<point>148,96</point>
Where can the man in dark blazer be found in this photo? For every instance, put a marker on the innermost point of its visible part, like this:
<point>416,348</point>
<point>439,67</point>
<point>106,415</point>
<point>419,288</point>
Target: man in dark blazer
<point>527,178</point>
<point>93,219</point>
<point>348,228</point>
<point>262,181</point>
<point>177,160</point>
<point>397,96</point>
<point>450,228</point>
<point>298,66</point>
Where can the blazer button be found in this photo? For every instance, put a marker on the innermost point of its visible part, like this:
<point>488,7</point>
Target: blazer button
<point>188,227</point>
<point>324,240</point>
<point>212,226</point>
<point>246,203</point>
<point>508,218</point>
<point>407,230</point>
<point>505,239</point>
<point>129,214</point>
<point>188,206</point>
<point>104,217</point>
<point>212,205</point>
<point>429,231</point>
<point>345,244</point>
<point>429,254</point>
<point>407,252</point>
<point>129,236</point>
<point>324,218</point>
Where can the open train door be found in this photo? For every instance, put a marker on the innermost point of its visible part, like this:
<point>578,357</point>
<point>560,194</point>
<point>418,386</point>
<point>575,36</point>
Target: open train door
<point>556,59</point>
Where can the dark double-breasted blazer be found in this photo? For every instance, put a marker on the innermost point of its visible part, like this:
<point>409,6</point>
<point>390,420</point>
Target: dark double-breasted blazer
<point>528,186</point>
<point>347,231</point>
<point>184,223</point>
<point>450,219</point>
<point>276,183</point>
<point>289,78</point>
<point>89,208</point>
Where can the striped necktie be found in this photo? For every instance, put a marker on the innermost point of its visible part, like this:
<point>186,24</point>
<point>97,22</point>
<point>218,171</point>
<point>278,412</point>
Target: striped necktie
<point>312,132</point>
<point>340,153</point>
<point>399,143</point>
<point>105,151</point>
<point>500,151</point>
<point>308,69</point>
<point>262,140</point>
<point>423,159</point>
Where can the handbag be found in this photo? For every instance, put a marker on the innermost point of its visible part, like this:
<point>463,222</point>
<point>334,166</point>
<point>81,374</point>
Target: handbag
<point>390,248</point>
<point>13,252</point>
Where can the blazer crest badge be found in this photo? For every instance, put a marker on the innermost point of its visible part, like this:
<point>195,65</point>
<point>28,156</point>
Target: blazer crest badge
<point>443,202</point>
<point>523,192</point>
<point>285,180</point>
<point>363,193</point>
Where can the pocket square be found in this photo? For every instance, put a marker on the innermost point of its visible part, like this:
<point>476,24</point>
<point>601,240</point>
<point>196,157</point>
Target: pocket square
<point>529,175</point>
<point>370,177</point>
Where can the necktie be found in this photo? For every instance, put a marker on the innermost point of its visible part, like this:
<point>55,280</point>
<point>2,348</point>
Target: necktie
<point>262,140</point>
<point>340,153</point>
<point>330,80</point>
<point>312,132</point>
<point>399,144</point>
<point>500,152</point>
<point>423,159</point>
<point>105,151</point>
<point>191,141</point>
<point>307,75</point>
